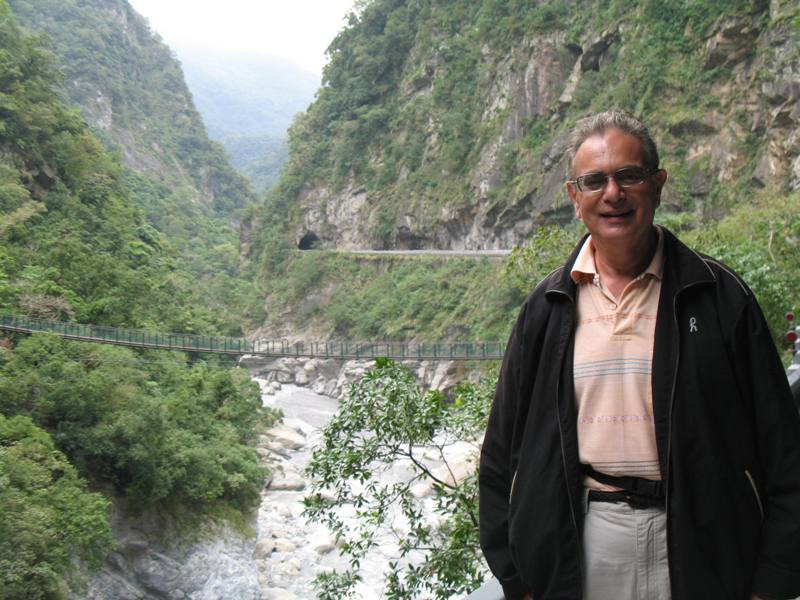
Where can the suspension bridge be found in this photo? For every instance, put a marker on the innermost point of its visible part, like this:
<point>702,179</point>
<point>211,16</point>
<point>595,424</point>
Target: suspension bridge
<point>138,338</point>
<point>491,590</point>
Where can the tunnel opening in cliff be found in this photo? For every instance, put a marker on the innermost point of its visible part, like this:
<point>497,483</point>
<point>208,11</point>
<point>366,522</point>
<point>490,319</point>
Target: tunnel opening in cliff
<point>309,241</point>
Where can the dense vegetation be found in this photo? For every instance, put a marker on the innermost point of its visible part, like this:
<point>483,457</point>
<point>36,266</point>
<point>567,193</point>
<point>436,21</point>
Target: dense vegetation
<point>397,298</point>
<point>131,88</point>
<point>402,114</point>
<point>155,429</point>
<point>149,430</point>
<point>74,244</point>
<point>49,516</point>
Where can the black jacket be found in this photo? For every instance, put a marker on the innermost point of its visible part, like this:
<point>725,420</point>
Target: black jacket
<point>727,433</point>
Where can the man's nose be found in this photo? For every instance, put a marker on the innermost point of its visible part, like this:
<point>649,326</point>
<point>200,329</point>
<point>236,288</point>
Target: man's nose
<point>612,191</point>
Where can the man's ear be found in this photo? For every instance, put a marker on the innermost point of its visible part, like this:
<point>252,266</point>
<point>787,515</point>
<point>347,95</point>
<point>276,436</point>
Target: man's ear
<point>573,197</point>
<point>661,179</point>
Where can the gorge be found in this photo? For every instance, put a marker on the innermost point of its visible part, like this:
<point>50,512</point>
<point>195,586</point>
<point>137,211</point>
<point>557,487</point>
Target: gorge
<point>439,126</point>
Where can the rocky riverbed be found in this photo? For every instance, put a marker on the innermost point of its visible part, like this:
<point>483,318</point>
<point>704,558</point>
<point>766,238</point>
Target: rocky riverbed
<point>330,377</point>
<point>155,561</point>
<point>279,563</point>
<point>290,552</point>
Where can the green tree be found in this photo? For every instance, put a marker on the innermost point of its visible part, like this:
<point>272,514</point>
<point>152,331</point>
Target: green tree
<point>386,418</point>
<point>156,431</point>
<point>49,516</point>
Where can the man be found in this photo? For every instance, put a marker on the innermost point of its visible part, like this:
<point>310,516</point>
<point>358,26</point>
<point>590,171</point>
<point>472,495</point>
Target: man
<point>642,443</point>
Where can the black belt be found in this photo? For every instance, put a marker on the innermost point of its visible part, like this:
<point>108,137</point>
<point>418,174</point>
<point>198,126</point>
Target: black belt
<point>636,491</point>
<point>629,498</point>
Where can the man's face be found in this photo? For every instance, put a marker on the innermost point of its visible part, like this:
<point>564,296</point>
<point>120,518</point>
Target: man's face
<point>615,215</point>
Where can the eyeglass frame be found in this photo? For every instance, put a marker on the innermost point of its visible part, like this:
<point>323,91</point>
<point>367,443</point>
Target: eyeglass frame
<point>578,181</point>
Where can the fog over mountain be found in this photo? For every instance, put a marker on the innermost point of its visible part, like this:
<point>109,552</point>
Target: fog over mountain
<point>247,101</point>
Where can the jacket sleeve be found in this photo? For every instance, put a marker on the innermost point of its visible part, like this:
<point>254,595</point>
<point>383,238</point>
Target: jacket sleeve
<point>777,429</point>
<point>495,476</point>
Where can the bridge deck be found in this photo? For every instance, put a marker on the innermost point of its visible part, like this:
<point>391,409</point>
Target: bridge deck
<point>240,346</point>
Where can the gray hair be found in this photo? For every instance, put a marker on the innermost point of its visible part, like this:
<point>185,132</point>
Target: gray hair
<point>613,119</point>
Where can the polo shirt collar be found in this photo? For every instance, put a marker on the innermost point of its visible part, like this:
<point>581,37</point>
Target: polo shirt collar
<point>584,269</point>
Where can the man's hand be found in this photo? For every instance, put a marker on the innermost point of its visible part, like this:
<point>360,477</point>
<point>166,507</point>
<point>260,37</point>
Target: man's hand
<point>529,597</point>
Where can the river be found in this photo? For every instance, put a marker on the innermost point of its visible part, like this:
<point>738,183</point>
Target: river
<point>290,552</point>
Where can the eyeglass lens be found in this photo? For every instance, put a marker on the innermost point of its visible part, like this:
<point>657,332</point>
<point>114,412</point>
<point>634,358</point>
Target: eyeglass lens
<point>626,177</point>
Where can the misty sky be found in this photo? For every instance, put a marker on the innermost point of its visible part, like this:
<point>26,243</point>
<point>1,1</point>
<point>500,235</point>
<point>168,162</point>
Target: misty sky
<point>297,30</point>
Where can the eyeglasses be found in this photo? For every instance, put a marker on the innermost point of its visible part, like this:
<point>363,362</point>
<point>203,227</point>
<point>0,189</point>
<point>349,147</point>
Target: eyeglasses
<point>627,177</point>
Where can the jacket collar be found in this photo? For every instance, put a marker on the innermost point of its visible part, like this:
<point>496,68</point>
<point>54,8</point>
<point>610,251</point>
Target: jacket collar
<point>683,267</point>
<point>560,281</point>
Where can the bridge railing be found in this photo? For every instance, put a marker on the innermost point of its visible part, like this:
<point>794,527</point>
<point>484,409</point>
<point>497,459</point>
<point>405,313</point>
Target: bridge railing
<point>128,337</point>
<point>239,346</point>
<point>372,350</point>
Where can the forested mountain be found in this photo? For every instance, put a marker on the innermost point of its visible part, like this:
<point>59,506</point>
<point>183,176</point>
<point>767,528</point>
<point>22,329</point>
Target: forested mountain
<point>74,243</point>
<point>153,431</point>
<point>248,102</point>
<point>131,91</point>
<point>442,124</point>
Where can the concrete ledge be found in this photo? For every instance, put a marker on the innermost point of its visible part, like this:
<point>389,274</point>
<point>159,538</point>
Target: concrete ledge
<point>490,590</point>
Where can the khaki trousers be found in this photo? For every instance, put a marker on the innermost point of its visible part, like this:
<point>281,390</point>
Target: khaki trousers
<point>625,553</point>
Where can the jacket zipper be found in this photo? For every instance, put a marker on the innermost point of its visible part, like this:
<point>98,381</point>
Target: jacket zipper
<point>566,472</point>
<point>513,483</point>
<point>569,492</point>
<point>755,493</point>
<point>669,414</point>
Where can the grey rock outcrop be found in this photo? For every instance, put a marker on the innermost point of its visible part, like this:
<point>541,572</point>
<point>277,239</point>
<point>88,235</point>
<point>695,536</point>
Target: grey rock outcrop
<point>330,377</point>
<point>216,564</point>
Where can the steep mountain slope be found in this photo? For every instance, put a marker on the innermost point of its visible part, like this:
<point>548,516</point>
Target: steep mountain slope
<point>73,244</point>
<point>82,423</point>
<point>442,124</point>
<point>131,91</point>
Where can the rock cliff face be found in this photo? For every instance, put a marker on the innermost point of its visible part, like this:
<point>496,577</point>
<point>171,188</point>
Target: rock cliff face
<point>216,564</point>
<point>131,90</point>
<point>739,125</point>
